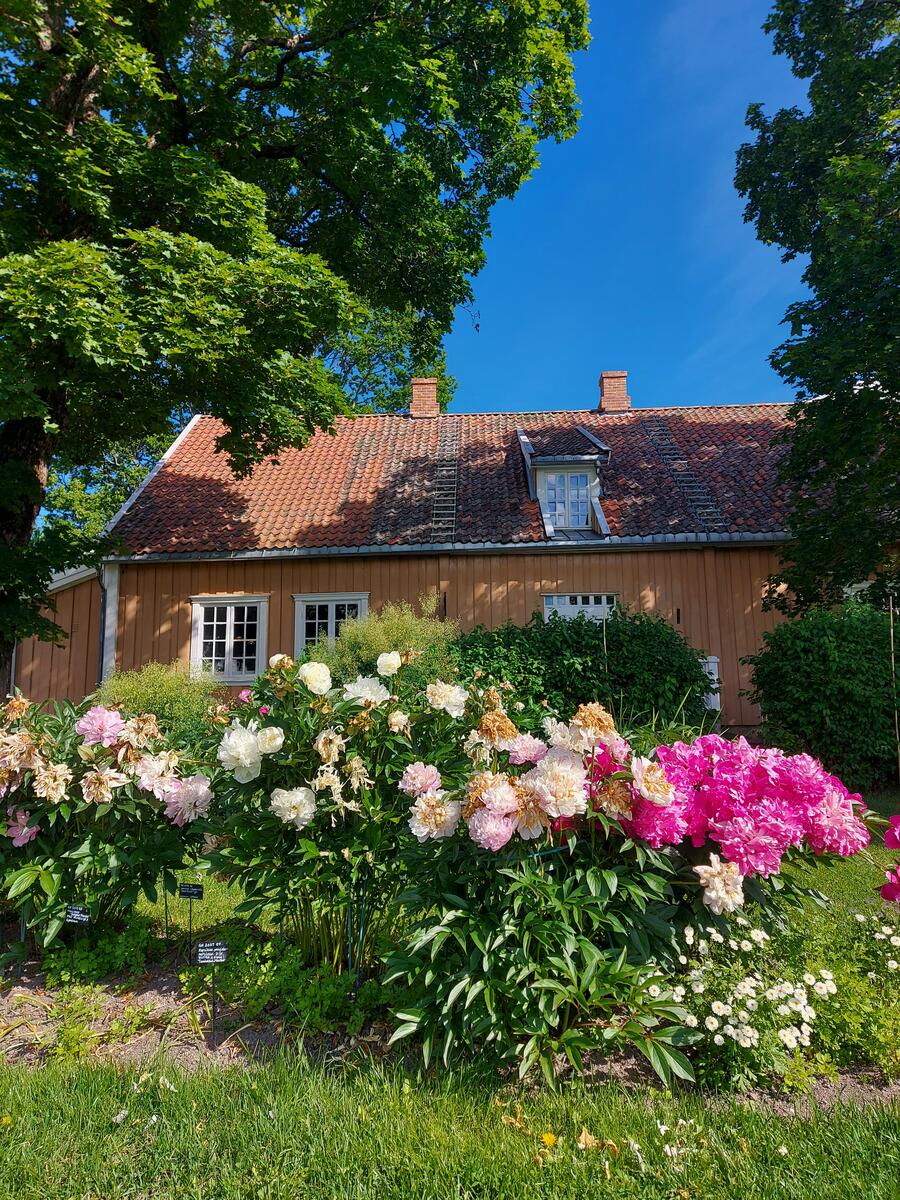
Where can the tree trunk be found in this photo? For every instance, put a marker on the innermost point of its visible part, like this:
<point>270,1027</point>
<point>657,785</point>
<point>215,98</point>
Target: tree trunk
<point>26,449</point>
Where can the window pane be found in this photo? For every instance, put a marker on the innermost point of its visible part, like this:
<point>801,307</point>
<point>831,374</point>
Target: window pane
<point>579,500</point>
<point>315,622</point>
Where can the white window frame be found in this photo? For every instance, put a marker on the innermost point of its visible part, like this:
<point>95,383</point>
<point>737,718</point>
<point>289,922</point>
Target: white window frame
<point>331,599</point>
<point>563,604</point>
<point>230,601</point>
<point>568,471</point>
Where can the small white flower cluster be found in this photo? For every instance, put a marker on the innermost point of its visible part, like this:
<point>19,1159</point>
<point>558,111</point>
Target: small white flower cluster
<point>884,956</point>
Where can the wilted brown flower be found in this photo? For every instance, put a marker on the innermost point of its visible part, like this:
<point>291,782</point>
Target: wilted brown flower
<point>476,788</point>
<point>220,714</point>
<point>594,720</point>
<point>493,699</point>
<point>15,707</point>
<point>614,798</point>
<point>496,728</point>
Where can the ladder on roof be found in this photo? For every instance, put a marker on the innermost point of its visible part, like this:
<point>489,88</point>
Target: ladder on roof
<point>445,480</point>
<point>697,496</point>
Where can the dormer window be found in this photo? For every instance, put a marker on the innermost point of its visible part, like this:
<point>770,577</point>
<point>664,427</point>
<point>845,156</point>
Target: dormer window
<point>565,497</point>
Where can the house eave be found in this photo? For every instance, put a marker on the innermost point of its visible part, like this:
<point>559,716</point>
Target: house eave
<point>559,544</point>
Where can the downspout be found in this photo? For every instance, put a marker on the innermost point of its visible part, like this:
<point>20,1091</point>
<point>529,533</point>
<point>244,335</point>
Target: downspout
<point>109,619</point>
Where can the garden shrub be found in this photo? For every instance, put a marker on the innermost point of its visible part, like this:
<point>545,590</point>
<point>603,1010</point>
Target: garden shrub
<point>398,626</point>
<point>823,683</point>
<point>634,663</point>
<point>88,956</point>
<point>179,700</point>
<point>97,802</point>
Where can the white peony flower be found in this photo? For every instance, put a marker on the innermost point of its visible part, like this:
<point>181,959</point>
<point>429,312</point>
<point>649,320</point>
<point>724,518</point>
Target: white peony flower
<point>398,722</point>
<point>316,677</point>
<point>239,752</point>
<point>434,816</point>
<point>294,806</point>
<point>388,664</point>
<point>559,778</point>
<point>447,697</point>
<point>270,739</point>
<point>365,689</point>
<point>722,883</point>
<point>650,782</point>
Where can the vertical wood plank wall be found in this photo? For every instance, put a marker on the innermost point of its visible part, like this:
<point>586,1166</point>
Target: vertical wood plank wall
<point>67,671</point>
<point>718,593</point>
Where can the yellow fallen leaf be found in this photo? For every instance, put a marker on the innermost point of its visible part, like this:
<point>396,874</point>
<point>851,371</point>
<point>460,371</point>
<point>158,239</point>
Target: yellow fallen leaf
<point>587,1141</point>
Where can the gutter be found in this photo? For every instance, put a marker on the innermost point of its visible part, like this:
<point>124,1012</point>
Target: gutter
<point>542,547</point>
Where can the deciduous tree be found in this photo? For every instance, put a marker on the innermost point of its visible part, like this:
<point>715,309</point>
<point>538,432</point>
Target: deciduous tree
<point>823,182</point>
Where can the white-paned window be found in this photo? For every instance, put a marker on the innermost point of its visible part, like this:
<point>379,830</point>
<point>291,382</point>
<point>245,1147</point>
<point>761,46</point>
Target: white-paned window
<point>566,498</point>
<point>319,618</point>
<point>597,605</point>
<point>228,636</point>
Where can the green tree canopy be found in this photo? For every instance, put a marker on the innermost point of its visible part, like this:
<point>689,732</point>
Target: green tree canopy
<point>823,183</point>
<point>205,204</point>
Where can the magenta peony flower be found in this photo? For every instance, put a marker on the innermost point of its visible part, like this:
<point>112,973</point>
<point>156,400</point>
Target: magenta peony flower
<point>100,725</point>
<point>419,778</point>
<point>892,834</point>
<point>891,890</point>
<point>17,827</point>
<point>526,749</point>
<point>490,830</point>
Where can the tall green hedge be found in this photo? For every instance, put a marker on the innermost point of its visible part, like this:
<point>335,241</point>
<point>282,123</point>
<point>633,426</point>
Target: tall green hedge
<point>823,683</point>
<point>634,663</point>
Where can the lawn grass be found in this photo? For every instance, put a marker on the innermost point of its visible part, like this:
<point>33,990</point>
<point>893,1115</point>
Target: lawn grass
<point>290,1131</point>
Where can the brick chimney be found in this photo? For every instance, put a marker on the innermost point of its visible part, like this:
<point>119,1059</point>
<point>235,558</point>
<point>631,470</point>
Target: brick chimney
<point>424,401</point>
<point>614,392</point>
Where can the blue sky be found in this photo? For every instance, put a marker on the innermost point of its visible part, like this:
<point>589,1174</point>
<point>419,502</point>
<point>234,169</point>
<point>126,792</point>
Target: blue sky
<point>627,250</point>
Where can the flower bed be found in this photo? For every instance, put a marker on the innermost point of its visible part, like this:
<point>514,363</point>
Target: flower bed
<point>529,887</point>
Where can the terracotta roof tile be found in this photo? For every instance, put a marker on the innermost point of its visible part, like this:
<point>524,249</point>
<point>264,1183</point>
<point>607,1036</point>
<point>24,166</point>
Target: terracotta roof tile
<point>370,483</point>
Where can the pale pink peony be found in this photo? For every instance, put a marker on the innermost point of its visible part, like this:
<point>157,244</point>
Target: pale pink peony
<point>100,725</point>
<point>17,827</point>
<point>419,778</point>
<point>526,749</point>
<point>500,797</point>
<point>490,830</point>
<point>188,799</point>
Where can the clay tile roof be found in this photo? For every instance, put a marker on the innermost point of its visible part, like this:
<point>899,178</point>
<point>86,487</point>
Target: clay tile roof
<point>691,470</point>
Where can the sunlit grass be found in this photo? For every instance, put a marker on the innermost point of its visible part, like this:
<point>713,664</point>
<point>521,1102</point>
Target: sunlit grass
<point>289,1131</point>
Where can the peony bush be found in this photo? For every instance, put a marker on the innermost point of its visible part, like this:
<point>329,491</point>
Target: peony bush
<point>533,883</point>
<point>98,808</point>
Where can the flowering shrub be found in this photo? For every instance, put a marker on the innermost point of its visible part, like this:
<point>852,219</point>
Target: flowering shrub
<point>315,811</point>
<point>95,802</point>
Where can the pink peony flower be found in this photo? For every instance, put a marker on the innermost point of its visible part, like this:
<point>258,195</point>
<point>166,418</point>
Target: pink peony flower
<point>490,830</point>
<point>891,890</point>
<point>17,827</point>
<point>264,710</point>
<point>892,834</point>
<point>500,797</point>
<point>188,799</point>
<point>245,695</point>
<point>100,725</point>
<point>419,778</point>
<point>526,749</point>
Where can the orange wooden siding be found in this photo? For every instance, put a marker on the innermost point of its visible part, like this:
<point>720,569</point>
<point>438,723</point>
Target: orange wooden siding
<point>68,671</point>
<point>716,592</point>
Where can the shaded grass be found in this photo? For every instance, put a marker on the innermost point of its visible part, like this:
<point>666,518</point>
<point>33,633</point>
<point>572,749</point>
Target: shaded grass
<point>290,1131</point>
